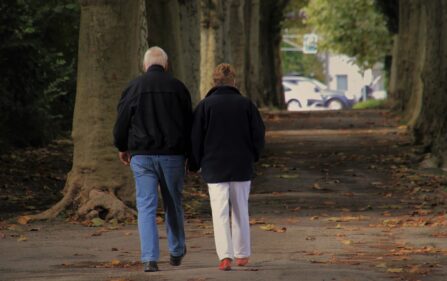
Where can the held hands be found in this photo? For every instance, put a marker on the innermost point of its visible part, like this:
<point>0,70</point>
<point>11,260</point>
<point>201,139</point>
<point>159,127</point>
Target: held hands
<point>124,157</point>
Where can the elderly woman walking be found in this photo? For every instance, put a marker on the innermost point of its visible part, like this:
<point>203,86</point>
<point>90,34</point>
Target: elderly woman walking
<point>227,138</point>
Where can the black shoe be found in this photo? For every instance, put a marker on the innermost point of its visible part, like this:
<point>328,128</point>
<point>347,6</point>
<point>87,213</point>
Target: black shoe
<point>176,261</point>
<point>150,266</point>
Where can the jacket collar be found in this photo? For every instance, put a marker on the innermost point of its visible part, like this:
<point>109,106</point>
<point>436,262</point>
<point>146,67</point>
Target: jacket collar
<point>223,90</point>
<point>155,67</point>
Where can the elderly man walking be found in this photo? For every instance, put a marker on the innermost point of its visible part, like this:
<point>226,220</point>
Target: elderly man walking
<point>152,134</point>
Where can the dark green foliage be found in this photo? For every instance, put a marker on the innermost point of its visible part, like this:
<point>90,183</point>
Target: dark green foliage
<point>38,54</point>
<point>352,27</point>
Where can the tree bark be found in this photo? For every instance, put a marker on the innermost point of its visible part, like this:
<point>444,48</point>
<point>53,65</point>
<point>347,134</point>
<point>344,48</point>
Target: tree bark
<point>418,82</point>
<point>430,128</point>
<point>111,42</point>
<point>406,84</point>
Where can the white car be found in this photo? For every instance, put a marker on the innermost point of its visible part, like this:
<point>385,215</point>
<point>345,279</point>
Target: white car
<point>298,98</point>
<point>302,93</point>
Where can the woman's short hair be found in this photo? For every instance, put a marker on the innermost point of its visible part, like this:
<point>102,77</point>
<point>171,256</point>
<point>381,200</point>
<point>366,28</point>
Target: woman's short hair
<point>224,74</point>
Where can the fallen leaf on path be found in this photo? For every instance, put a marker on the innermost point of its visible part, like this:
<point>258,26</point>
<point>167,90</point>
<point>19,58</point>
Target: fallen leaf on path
<point>391,222</point>
<point>272,227</point>
<point>288,176</point>
<point>310,238</point>
<point>23,219</point>
<point>314,218</point>
<point>267,227</point>
<point>403,251</point>
<point>346,242</point>
<point>395,270</point>
<point>22,238</point>
<point>347,218</point>
<point>2,235</point>
<point>381,265</point>
<point>115,262</point>
<point>256,221</point>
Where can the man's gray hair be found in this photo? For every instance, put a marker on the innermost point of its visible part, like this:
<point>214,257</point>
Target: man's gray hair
<point>155,55</point>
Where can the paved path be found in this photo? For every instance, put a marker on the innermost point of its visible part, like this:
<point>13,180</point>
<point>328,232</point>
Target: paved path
<point>336,197</point>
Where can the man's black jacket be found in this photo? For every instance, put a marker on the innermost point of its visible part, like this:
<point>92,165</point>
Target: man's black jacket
<point>227,136</point>
<point>154,115</point>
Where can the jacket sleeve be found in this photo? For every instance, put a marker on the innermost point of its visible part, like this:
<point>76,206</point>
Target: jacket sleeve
<point>122,124</point>
<point>187,116</point>
<point>257,132</point>
<point>197,138</point>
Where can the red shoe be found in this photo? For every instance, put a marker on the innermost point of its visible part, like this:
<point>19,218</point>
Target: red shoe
<point>241,261</point>
<point>225,264</point>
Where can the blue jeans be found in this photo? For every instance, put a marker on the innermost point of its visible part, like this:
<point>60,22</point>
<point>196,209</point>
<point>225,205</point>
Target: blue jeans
<point>168,171</point>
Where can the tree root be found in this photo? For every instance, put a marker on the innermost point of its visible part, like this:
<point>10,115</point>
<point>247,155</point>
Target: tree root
<point>115,208</point>
<point>98,202</point>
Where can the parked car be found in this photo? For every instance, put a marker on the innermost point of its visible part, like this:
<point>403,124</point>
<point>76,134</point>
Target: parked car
<point>302,93</point>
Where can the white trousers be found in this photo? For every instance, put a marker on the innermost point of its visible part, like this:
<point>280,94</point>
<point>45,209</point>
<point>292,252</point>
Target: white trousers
<point>231,241</point>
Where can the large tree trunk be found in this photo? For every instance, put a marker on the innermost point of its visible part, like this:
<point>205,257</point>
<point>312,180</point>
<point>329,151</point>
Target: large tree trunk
<point>418,85</point>
<point>430,128</point>
<point>271,16</point>
<point>211,41</point>
<point>406,85</point>
<point>111,43</point>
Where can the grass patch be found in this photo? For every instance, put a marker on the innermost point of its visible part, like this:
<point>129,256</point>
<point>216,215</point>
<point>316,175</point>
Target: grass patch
<point>370,104</point>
